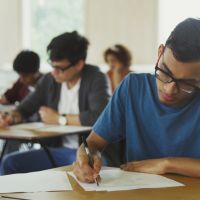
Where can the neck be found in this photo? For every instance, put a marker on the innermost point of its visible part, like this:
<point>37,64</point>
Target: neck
<point>125,70</point>
<point>35,78</point>
<point>72,83</point>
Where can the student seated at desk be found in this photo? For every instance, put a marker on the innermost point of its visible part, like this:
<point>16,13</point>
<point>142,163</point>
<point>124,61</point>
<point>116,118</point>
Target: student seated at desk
<point>119,59</point>
<point>75,93</point>
<point>26,64</point>
<point>157,115</point>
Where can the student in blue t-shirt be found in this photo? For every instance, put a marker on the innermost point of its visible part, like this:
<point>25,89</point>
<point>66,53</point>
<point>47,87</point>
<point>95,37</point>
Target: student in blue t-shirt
<point>158,115</point>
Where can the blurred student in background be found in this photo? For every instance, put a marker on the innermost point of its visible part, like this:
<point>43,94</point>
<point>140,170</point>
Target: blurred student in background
<point>74,93</point>
<point>119,59</point>
<point>26,64</point>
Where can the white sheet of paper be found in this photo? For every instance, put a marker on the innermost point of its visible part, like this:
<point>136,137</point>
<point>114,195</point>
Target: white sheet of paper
<point>6,108</point>
<point>39,126</point>
<point>35,182</point>
<point>116,180</point>
<point>30,126</point>
<point>65,129</point>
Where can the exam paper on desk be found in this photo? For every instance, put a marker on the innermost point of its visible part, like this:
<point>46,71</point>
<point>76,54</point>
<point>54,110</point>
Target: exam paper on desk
<point>42,181</point>
<point>116,180</point>
<point>41,127</point>
<point>30,126</point>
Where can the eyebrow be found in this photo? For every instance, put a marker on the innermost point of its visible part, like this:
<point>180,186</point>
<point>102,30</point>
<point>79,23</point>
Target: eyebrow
<point>186,80</point>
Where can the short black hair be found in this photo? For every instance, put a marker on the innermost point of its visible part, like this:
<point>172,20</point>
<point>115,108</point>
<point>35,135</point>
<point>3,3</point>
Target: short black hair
<point>184,40</point>
<point>69,45</point>
<point>121,52</point>
<point>26,62</point>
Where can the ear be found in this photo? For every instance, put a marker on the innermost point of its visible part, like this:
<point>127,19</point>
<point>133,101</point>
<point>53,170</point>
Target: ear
<point>160,50</point>
<point>80,64</point>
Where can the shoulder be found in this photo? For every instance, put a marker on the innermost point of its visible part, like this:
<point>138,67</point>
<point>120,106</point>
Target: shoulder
<point>18,85</point>
<point>142,79</point>
<point>135,84</point>
<point>139,76</point>
<point>47,80</point>
<point>91,69</point>
<point>18,82</point>
<point>46,77</point>
<point>92,72</point>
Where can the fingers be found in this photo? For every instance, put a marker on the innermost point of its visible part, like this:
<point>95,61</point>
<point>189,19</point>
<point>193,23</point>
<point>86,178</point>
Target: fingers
<point>42,115</point>
<point>46,110</point>
<point>43,108</point>
<point>125,167</point>
<point>83,173</point>
<point>5,120</point>
<point>82,159</point>
<point>43,112</point>
<point>131,166</point>
<point>97,164</point>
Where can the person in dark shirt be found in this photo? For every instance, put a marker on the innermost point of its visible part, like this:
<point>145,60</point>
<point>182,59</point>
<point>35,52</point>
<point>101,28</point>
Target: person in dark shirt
<point>74,93</point>
<point>26,64</point>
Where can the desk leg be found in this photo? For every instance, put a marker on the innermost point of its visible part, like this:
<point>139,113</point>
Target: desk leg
<point>3,150</point>
<point>50,156</point>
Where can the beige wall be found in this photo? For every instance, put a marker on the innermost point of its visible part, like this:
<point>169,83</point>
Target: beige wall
<point>130,22</point>
<point>10,30</point>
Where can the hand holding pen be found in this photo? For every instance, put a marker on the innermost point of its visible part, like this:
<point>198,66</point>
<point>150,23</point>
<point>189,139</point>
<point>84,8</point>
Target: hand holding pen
<point>88,164</point>
<point>91,161</point>
<point>5,119</point>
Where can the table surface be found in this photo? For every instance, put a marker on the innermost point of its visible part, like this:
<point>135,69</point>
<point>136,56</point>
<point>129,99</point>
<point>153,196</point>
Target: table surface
<point>191,191</point>
<point>29,135</point>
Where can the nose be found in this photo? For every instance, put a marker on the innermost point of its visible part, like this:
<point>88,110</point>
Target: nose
<point>170,88</point>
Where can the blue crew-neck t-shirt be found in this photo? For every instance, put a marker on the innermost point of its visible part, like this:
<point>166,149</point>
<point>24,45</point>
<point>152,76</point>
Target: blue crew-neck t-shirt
<point>150,128</point>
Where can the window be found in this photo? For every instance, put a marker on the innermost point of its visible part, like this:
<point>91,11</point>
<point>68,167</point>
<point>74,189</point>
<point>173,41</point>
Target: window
<point>45,19</point>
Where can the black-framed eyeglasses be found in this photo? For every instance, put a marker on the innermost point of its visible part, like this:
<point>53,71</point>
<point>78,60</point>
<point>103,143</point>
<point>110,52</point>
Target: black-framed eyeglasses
<point>61,69</point>
<point>182,85</point>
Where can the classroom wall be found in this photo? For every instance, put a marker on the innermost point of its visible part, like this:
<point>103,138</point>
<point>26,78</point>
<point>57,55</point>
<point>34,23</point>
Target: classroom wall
<point>10,30</point>
<point>130,22</point>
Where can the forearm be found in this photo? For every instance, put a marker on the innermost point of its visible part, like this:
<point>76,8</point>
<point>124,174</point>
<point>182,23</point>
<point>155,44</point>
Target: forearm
<point>184,166</point>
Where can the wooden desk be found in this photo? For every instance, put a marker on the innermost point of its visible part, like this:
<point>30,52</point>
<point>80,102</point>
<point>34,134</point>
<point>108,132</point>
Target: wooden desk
<point>34,136</point>
<point>31,135</point>
<point>189,192</point>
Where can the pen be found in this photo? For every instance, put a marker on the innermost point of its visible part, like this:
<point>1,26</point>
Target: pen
<point>8,197</point>
<point>91,161</point>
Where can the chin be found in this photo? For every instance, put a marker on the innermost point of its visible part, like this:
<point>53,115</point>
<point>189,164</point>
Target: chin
<point>58,80</point>
<point>172,103</point>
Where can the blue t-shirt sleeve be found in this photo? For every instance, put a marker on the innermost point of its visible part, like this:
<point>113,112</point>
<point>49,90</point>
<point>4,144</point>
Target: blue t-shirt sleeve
<point>111,123</point>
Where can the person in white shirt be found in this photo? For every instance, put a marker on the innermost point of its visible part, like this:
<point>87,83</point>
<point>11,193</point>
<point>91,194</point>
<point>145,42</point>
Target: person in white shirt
<point>74,93</point>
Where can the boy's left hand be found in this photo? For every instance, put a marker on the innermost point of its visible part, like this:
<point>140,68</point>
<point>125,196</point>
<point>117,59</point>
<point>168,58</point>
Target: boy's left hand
<point>152,166</point>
